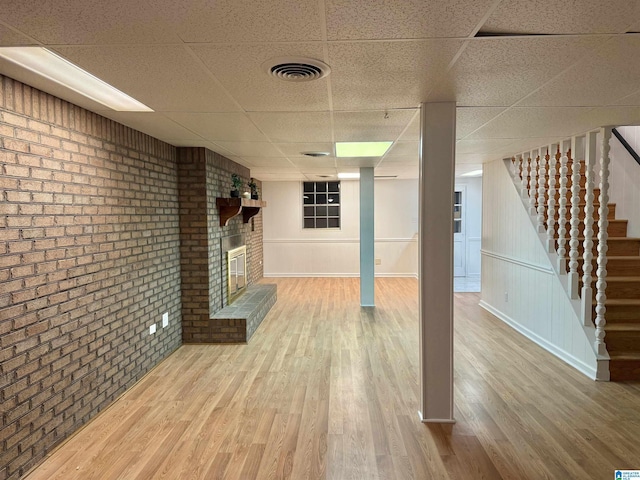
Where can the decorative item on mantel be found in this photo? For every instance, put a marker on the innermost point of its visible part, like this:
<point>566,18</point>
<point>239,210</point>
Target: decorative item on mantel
<point>254,189</point>
<point>236,183</point>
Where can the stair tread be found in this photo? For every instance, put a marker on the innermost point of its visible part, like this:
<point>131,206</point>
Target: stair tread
<point>624,356</point>
<point>625,278</point>
<point>623,327</point>
<point>620,301</point>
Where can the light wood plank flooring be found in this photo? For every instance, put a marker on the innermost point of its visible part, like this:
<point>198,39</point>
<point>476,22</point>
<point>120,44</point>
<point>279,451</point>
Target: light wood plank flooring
<point>328,390</point>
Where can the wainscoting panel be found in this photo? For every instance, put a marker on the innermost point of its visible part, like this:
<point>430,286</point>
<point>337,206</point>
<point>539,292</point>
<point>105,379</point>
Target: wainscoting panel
<point>518,284</point>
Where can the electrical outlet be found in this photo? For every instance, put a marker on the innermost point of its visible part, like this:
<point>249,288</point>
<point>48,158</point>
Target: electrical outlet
<point>506,296</point>
<point>165,319</point>
<point>378,261</point>
<point>152,329</point>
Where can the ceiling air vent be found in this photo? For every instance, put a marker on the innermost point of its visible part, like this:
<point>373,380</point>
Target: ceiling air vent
<point>315,154</point>
<point>296,69</point>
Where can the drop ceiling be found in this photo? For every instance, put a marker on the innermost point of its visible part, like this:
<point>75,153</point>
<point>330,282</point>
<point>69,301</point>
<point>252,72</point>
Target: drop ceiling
<point>522,72</point>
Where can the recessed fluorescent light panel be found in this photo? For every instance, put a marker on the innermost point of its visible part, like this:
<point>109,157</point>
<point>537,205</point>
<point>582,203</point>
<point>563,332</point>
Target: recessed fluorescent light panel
<point>53,67</point>
<point>348,176</point>
<point>473,173</point>
<point>362,149</point>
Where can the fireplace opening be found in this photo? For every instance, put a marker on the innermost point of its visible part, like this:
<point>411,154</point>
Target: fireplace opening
<point>236,272</point>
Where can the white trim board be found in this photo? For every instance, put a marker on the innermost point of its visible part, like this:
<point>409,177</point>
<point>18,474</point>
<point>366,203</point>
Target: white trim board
<point>517,261</point>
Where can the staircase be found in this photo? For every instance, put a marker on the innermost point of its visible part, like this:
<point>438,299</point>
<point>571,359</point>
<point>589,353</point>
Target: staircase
<point>619,279</point>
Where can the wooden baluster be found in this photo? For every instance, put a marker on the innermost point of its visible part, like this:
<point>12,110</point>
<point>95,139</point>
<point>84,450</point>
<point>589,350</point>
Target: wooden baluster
<point>574,233</point>
<point>542,172</point>
<point>551,209</point>
<point>587,256</point>
<point>603,223</point>
<point>523,175</point>
<point>533,188</point>
<point>562,217</point>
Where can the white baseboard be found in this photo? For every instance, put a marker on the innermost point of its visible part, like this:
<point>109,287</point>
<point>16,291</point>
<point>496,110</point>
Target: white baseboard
<point>588,370</point>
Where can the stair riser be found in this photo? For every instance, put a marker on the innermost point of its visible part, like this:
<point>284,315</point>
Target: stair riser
<point>621,290</point>
<point>621,248</point>
<point>617,267</point>
<point>614,229</point>
<point>621,370</point>
<point>622,341</point>
<point>621,314</point>
<point>611,214</point>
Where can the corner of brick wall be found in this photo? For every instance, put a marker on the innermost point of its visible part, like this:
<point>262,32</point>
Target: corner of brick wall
<point>89,258</point>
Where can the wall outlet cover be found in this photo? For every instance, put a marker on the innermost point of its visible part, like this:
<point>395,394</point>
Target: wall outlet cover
<point>165,320</point>
<point>152,329</point>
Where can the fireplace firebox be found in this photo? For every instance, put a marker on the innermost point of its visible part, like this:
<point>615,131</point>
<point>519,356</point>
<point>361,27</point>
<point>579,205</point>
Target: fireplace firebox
<point>236,272</point>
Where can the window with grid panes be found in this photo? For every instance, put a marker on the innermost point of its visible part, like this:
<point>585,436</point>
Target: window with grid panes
<point>321,204</point>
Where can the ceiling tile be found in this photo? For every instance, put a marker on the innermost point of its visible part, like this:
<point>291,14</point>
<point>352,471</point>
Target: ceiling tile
<point>239,70</point>
<point>521,122</point>
<point>267,162</point>
<point>616,116</point>
<point>554,17</point>
<point>233,127</point>
<point>404,149</point>
<point>10,37</point>
<point>306,163</point>
<point>288,127</point>
<point>401,160</point>
<point>371,126</point>
<point>599,79</point>
<point>251,149</point>
<point>380,19</point>
<point>482,146</point>
<point>381,75</point>
<point>154,124</point>
<point>499,72</point>
<point>233,21</point>
<point>469,119</point>
<point>294,149</point>
<point>96,21</point>
<point>165,78</point>
<point>357,162</point>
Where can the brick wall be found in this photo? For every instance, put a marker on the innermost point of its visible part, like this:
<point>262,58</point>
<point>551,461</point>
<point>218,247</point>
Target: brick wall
<point>204,176</point>
<point>89,258</point>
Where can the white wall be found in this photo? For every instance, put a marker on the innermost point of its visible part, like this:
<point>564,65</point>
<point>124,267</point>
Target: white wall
<point>473,217</point>
<point>518,283</point>
<point>290,250</point>
<point>625,179</point>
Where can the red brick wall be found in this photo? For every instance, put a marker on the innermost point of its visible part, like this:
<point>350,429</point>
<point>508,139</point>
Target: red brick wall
<point>89,259</point>
<point>205,175</point>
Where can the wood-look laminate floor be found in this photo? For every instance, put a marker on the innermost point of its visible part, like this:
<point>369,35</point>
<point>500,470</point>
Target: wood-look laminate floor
<point>328,390</point>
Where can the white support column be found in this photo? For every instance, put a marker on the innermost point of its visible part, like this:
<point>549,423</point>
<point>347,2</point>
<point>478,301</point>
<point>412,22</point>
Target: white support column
<point>367,243</point>
<point>437,171</point>
<point>587,267</point>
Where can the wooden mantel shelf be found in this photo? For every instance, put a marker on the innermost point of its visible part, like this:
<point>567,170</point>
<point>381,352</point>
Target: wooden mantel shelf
<point>230,207</point>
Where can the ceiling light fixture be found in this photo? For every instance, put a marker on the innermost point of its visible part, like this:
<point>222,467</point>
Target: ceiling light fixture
<point>362,149</point>
<point>473,173</point>
<point>348,176</point>
<point>53,67</point>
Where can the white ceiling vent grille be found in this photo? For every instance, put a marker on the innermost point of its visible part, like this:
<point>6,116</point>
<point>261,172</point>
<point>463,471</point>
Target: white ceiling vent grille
<point>296,69</point>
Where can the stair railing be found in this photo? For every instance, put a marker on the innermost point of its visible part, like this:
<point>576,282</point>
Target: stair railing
<point>534,173</point>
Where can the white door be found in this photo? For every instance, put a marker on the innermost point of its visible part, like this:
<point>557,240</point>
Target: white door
<point>459,239</point>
